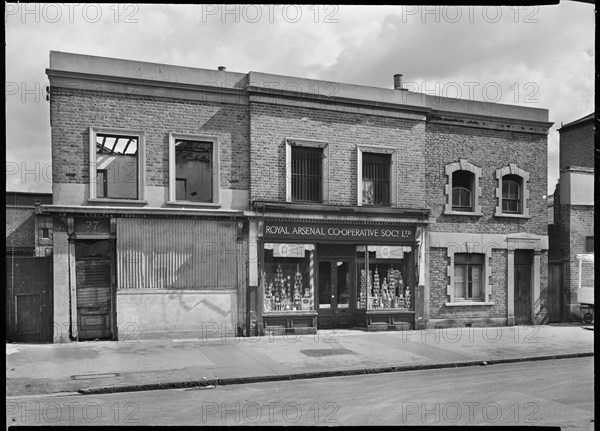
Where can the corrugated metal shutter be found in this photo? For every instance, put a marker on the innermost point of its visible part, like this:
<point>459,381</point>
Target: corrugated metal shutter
<point>176,254</point>
<point>93,282</point>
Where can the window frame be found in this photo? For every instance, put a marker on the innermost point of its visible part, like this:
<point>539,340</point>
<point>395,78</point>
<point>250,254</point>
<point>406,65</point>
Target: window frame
<point>463,165</point>
<point>141,168</point>
<point>467,274</point>
<point>374,149</point>
<point>486,274</point>
<point>518,199</point>
<point>311,143</point>
<point>216,183</point>
<point>512,169</point>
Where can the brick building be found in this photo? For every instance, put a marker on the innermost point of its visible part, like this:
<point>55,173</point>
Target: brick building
<point>26,233</point>
<point>223,202</point>
<point>572,234</point>
<point>28,288</point>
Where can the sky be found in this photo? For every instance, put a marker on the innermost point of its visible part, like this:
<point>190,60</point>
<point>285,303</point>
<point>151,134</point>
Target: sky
<point>536,56</point>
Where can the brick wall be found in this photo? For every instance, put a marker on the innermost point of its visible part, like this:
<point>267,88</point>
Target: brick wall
<point>73,111</point>
<point>577,145</point>
<point>20,217</point>
<point>271,124</point>
<point>488,150</point>
<point>20,227</point>
<point>438,288</point>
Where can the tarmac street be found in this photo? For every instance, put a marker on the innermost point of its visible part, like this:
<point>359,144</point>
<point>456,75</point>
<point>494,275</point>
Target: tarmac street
<point>532,393</point>
<point>119,366</point>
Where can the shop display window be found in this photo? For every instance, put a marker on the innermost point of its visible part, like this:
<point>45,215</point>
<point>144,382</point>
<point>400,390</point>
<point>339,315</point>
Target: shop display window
<point>384,278</point>
<point>288,277</point>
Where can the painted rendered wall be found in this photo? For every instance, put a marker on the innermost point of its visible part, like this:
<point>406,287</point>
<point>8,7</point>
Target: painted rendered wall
<point>61,287</point>
<point>577,187</point>
<point>160,313</point>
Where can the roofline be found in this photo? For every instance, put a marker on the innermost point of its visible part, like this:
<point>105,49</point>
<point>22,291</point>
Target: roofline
<point>584,119</point>
<point>79,66</point>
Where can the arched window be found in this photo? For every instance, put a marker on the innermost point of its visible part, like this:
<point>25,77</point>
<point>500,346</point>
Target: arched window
<point>462,191</point>
<point>511,194</point>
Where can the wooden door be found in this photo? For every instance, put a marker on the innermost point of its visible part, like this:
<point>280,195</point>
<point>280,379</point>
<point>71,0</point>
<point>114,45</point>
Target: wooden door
<point>554,293</point>
<point>523,264</point>
<point>94,275</point>
<point>335,284</point>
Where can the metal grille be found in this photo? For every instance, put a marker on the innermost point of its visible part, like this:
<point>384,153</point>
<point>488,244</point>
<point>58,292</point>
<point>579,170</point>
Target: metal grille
<point>307,174</point>
<point>376,179</point>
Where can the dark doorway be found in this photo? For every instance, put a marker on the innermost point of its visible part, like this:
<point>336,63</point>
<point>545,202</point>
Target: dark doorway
<point>523,264</point>
<point>335,283</point>
<point>554,292</point>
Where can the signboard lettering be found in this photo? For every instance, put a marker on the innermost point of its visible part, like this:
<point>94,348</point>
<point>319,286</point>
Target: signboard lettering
<point>351,232</point>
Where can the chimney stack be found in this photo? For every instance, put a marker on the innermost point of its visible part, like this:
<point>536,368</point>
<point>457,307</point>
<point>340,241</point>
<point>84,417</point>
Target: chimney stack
<point>398,81</point>
<point>222,68</point>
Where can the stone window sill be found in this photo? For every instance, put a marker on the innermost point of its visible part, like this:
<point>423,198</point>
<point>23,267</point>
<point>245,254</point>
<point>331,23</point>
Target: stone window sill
<point>463,213</point>
<point>117,201</point>
<point>512,215</point>
<point>194,204</point>
<point>466,303</point>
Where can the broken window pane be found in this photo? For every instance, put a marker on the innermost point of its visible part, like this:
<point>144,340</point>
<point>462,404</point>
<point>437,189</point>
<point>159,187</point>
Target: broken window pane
<point>117,166</point>
<point>193,171</point>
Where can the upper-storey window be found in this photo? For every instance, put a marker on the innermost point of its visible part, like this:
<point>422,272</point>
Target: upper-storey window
<point>306,171</point>
<point>116,164</point>
<point>376,179</point>
<point>377,182</point>
<point>307,174</point>
<point>462,190</point>
<point>193,169</point>
<point>511,192</point>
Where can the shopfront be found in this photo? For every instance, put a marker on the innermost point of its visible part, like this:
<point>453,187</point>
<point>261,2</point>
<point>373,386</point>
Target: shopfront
<point>337,274</point>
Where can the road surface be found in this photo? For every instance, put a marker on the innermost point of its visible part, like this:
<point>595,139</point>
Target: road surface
<point>550,393</point>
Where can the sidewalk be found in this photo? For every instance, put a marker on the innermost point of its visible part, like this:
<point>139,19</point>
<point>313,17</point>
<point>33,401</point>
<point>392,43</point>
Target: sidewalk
<point>114,366</point>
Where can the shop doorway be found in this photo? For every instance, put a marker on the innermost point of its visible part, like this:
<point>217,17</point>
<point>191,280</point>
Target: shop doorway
<point>523,263</point>
<point>335,283</point>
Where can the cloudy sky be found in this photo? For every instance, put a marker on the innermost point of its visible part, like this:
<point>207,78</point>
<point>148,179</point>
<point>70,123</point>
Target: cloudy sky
<point>538,56</point>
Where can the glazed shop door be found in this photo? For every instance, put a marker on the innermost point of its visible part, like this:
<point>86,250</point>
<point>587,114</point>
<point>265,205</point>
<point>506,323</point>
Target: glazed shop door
<point>335,281</point>
<point>94,275</point>
<point>523,261</point>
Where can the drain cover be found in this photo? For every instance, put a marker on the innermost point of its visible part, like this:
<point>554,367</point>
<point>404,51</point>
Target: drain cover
<point>317,353</point>
<point>199,388</point>
<point>95,376</point>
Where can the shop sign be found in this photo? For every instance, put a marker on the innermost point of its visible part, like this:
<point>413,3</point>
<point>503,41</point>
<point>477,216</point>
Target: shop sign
<point>348,232</point>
